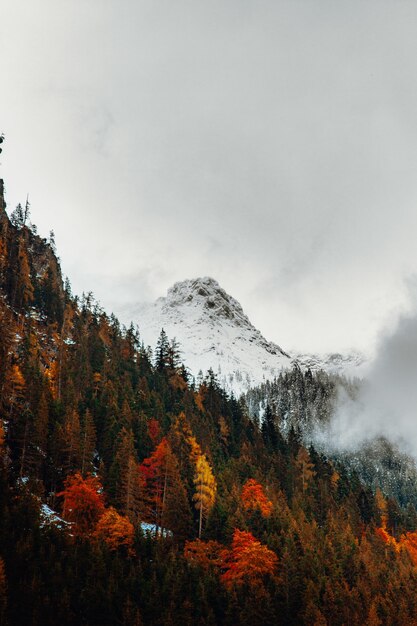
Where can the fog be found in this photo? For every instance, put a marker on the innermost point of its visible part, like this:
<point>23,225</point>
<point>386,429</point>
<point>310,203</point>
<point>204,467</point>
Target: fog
<point>387,401</point>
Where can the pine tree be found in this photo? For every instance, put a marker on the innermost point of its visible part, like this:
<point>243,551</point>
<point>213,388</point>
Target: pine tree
<point>72,437</point>
<point>162,352</point>
<point>125,477</point>
<point>269,428</point>
<point>88,443</point>
<point>17,216</point>
<point>39,435</point>
<point>3,593</point>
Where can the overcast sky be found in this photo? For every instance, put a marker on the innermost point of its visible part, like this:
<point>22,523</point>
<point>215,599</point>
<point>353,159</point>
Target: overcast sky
<point>271,145</point>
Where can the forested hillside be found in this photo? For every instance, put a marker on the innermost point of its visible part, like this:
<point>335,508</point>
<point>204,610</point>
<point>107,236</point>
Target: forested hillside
<point>307,403</point>
<point>131,496</point>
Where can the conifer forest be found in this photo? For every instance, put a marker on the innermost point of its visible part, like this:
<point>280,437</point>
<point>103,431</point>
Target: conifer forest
<point>132,494</point>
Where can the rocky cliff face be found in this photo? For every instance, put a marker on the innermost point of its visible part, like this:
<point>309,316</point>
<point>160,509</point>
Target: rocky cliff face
<point>30,274</point>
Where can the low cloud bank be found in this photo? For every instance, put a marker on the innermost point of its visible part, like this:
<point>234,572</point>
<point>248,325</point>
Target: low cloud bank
<point>387,402</point>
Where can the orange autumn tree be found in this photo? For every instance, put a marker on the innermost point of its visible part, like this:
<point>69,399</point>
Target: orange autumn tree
<point>248,561</point>
<point>164,495</point>
<point>154,472</point>
<point>115,530</point>
<point>383,534</point>
<point>254,499</point>
<point>409,542</point>
<point>83,503</point>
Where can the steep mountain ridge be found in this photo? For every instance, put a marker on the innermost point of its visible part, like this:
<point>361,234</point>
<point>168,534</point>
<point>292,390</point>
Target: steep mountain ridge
<point>214,332</point>
<point>30,273</point>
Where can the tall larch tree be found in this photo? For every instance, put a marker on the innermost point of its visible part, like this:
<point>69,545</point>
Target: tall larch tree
<point>205,489</point>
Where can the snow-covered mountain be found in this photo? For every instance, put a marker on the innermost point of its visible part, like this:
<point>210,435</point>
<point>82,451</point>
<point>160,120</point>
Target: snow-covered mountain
<point>214,332</point>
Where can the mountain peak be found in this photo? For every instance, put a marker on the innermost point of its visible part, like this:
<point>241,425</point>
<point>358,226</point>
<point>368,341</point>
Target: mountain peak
<point>214,332</point>
<point>203,286</point>
<point>206,295</point>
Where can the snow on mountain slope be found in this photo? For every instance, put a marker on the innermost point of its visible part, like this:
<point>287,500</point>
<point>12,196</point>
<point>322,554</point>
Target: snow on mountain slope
<point>214,332</point>
<point>350,365</point>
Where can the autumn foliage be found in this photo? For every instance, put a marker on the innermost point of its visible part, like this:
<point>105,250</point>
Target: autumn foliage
<point>247,561</point>
<point>254,498</point>
<point>407,541</point>
<point>115,530</point>
<point>154,474</point>
<point>83,503</point>
<point>385,536</point>
<point>205,489</point>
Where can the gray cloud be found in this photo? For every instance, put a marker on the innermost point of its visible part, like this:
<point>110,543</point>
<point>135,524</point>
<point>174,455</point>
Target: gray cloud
<point>387,403</point>
<point>271,145</point>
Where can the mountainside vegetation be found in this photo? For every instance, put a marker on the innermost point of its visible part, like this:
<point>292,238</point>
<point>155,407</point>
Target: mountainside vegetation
<point>131,495</point>
<point>307,402</point>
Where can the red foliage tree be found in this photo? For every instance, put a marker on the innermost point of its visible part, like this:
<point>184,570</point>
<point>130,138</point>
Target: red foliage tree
<point>153,471</point>
<point>254,499</point>
<point>83,503</point>
<point>164,495</point>
<point>248,561</point>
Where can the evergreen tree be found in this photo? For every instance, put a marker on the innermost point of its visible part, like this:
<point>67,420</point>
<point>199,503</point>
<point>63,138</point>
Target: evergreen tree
<point>124,477</point>
<point>162,352</point>
<point>88,443</point>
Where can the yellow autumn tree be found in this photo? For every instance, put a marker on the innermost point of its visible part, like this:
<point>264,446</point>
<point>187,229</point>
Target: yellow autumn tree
<point>115,530</point>
<point>205,489</point>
